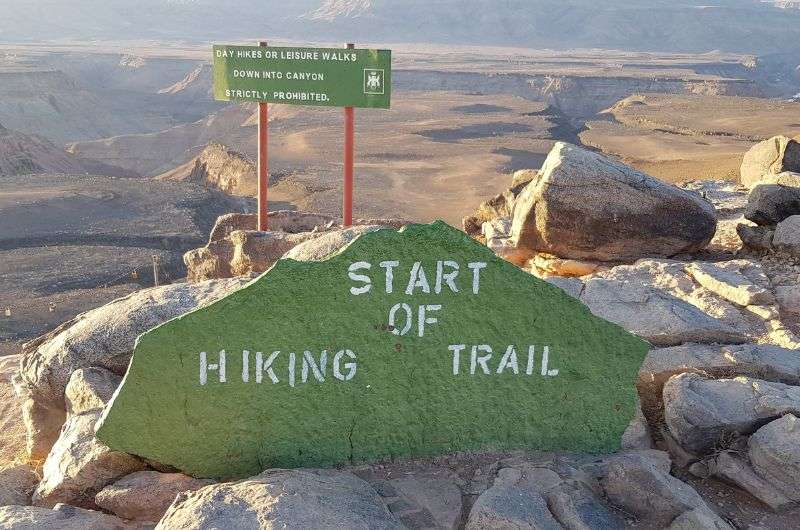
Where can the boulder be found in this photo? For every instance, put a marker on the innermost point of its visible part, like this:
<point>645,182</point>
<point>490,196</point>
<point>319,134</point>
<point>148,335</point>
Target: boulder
<point>511,506</point>
<point>730,468</point>
<point>774,451</point>
<point>589,207</point>
<point>496,228</point>
<point>426,499</point>
<point>643,488</point>
<point>670,277</point>
<point>61,517</point>
<point>299,499</point>
<point>726,280</point>
<point>146,495</point>
<point>254,252</point>
<point>571,286</point>
<point>90,389</point>
<point>702,414</point>
<point>103,337</point>
<point>637,435</point>
<point>569,268</point>
<point>576,507</point>
<point>787,235</point>
<point>328,243</point>
<point>17,483</point>
<point>225,224</point>
<point>787,178</point>
<point>770,157</point>
<point>761,361</point>
<point>499,206</point>
<point>209,262</point>
<point>79,466</point>
<point>522,177</point>
<point>12,428</point>
<point>654,315</point>
<point>769,204</point>
<point>755,237</point>
<point>699,519</point>
<point>789,298</point>
<point>232,252</point>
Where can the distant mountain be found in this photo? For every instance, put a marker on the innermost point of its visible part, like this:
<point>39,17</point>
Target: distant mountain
<point>746,26</point>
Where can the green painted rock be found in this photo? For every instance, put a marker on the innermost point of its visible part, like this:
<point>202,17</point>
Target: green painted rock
<point>409,343</point>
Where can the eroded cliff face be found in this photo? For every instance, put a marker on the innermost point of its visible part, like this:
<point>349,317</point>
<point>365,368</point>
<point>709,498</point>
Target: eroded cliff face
<point>220,167</point>
<point>575,96</point>
<point>23,154</point>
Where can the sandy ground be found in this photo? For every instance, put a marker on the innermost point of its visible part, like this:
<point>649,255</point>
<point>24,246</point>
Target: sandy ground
<point>432,156</point>
<point>679,138</point>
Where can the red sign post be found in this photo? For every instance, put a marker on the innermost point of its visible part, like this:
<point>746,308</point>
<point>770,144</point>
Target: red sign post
<point>349,148</point>
<point>263,161</point>
<point>332,77</point>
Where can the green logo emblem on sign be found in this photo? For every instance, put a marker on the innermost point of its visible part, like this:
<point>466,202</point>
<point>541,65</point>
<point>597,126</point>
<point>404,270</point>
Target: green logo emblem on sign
<point>406,343</point>
<point>373,81</point>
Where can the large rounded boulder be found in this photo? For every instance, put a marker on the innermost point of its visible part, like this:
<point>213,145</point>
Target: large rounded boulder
<point>768,158</point>
<point>587,206</point>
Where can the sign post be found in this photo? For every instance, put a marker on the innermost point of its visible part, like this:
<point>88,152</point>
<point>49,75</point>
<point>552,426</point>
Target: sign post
<point>263,161</point>
<point>349,148</point>
<point>332,77</point>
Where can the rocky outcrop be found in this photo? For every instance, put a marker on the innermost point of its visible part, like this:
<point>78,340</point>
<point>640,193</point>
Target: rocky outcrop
<point>499,206</point>
<point>319,248</point>
<point>586,206</point>
<point>23,154</point>
<point>232,251</point>
<point>702,413</point>
<point>787,235</point>
<point>297,499</point>
<point>644,487</point>
<point>511,506</point>
<point>103,338</point>
<point>656,316</point>
<point>17,483</point>
<point>12,428</point>
<point>90,389</point>
<point>61,517</point>
<point>79,466</point>
<point>146,495</point>
<point>663,301</point>
<point>760,361</point>
<point>774,451</point>
<point>769,204</point>
<point>731,468</point>
<point>770,157</point>
<point>220,167</point>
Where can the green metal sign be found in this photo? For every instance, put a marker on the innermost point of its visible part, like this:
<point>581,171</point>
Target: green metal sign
<point>410,343</point>
<point>331,77</point>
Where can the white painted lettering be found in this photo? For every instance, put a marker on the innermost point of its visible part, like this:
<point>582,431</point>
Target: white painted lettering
<point>351,272</point>
<point>318,370</point>
<point>262,367</point>
<point>389,266</point>
<point>349,366</point>
<point>481,360</point>
<point>456,349</point>
<point>424,319</point>
<point>509,360</point>
<point>476,267</point>
<point>392,319</point>
<point>205,367</point>
<point>448,278</point>
<point>418,279</point>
